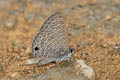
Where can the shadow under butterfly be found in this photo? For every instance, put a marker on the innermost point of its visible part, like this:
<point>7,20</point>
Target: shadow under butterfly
<point>50,44</point>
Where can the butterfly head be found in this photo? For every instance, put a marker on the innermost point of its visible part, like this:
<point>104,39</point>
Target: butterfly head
<point>72,50</point>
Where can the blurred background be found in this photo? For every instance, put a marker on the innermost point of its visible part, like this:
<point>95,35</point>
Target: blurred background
<point>93,31</point>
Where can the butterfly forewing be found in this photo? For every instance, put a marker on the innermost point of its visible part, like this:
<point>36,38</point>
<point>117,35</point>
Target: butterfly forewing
<point>51,41</point>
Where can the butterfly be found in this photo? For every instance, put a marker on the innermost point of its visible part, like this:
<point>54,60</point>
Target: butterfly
<point>50,44</point>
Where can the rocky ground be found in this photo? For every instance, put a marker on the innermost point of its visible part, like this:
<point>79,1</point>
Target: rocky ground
<point>93,30</point>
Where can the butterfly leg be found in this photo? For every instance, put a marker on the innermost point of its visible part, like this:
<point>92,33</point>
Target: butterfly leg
<point>68,61</point>
<point>57,63</point>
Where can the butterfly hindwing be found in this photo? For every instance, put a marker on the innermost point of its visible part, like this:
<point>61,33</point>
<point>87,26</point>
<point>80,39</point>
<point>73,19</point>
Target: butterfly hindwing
<point>51,41</point>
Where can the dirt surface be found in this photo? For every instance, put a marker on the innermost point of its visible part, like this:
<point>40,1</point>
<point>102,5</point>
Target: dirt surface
<point>93,30</point>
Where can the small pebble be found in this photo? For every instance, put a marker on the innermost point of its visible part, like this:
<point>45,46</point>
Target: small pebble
<point>17,46</point>
<point>32,61</point>
<point>10,23</point>
<point>28,50</point>
<point>87,71</point>
<point>14,12</point>
<point>15,75</point>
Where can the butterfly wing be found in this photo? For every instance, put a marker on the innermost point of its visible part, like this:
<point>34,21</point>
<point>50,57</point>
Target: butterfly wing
<point>51,42</point>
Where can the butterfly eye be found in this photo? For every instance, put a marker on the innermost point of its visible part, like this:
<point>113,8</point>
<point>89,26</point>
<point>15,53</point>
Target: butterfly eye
<point>71,50</point>
<point>36,48</point>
